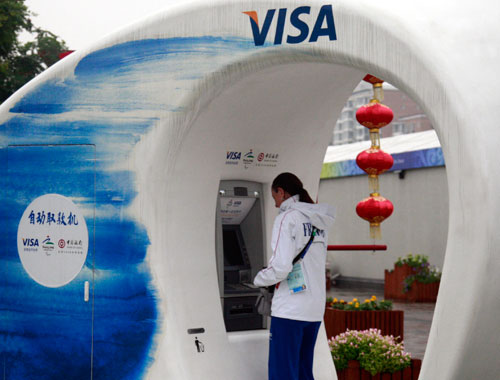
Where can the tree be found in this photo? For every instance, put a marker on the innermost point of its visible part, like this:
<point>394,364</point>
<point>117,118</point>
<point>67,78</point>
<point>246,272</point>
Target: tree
<point>20,62</point>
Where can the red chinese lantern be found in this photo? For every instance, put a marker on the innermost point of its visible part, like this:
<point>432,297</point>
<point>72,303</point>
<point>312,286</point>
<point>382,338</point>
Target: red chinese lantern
<point>374,115</point>
<point>374,162</point>
<point>375,209</point>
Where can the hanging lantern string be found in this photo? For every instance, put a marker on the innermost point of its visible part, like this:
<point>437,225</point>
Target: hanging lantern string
<point>373,183</point>
<point>378,92</point>
<point>374,115</point>
<point>375,138</point>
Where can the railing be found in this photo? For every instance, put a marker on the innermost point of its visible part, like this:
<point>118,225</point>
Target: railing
<point>357,247</point>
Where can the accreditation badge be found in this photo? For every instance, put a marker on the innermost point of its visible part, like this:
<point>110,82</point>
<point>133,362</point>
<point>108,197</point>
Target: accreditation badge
<point>295,279</point>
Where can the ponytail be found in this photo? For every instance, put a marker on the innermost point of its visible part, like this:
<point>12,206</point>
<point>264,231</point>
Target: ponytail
<point>292,185</point>
<point>304,196</point>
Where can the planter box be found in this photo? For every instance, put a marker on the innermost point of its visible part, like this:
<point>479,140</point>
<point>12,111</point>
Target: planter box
<point>390,322</point>
<point>355,372</point>
<point>419,292</point>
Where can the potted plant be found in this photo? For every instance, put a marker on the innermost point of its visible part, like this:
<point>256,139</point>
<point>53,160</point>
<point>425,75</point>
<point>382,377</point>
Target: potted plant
<point>341,316</point>
<point>412,279</point>
<point>368,354</point>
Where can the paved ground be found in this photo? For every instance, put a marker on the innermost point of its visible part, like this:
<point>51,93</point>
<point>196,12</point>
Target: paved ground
<point>418,316</point>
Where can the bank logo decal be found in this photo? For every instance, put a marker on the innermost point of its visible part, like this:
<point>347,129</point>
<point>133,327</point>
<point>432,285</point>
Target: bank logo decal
<point>324,25</point>
<point>47,245</point>
<point>233,203</point>
<point>251,159</point>
<point>248,159</point>
<point>27,242</point>
<point>249,155</point>
<point>232,157</point>
<point>267,159</point>
<point>52,253</point>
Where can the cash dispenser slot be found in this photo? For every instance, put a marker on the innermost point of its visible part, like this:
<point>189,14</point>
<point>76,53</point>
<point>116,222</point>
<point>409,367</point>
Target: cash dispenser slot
<point>240,252</point>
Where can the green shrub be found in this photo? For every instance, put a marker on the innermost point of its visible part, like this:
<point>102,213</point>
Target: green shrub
<point>375,353</point>
<point>421,270</point>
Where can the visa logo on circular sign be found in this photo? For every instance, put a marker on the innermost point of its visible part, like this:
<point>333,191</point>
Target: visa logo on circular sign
<point>324,25</point>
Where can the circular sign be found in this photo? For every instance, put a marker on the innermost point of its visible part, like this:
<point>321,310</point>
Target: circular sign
<point>52,240</point>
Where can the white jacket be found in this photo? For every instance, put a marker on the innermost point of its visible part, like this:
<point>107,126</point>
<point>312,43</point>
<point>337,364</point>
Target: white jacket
<point>291,232</point>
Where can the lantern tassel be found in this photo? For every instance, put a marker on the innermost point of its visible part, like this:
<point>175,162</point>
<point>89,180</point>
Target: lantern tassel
<point>375,231</point>
<point>373,183</point>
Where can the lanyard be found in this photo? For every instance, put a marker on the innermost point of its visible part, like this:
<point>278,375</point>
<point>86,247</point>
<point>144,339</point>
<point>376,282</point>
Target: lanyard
<point>302,253</point>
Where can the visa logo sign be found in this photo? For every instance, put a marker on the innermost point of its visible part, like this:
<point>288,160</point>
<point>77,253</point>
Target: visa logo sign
<point>233,155</point>
<point>324,25</point>
<point>30,242</point>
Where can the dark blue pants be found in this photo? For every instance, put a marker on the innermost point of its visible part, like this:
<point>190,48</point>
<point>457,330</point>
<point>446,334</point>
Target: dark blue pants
<point>291,349</point>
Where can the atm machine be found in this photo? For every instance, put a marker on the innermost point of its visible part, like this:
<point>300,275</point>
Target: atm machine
<point>240,250</point>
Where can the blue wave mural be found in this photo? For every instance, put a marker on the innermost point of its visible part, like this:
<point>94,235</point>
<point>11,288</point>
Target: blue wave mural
<point>72,136</point>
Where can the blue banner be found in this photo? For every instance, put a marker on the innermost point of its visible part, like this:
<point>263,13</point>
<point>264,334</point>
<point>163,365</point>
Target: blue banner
<point>402,161</point>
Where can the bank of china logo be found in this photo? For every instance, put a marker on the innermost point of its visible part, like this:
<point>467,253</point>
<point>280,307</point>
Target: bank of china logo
<point>324,25</point>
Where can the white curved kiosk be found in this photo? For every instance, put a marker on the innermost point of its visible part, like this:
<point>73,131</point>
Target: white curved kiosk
<point>126,144</point>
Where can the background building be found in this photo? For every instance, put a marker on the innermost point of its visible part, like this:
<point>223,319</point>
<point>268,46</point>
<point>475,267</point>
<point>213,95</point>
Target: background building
<point>408,117</point>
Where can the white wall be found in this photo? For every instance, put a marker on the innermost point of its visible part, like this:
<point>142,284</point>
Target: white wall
<point>419,223</point>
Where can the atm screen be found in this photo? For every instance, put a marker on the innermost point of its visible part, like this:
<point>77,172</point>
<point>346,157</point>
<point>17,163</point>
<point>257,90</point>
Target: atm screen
<point>233,248</point>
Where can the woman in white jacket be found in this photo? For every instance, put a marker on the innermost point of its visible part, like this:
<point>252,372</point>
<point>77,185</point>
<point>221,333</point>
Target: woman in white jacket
<point>299,298</point>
